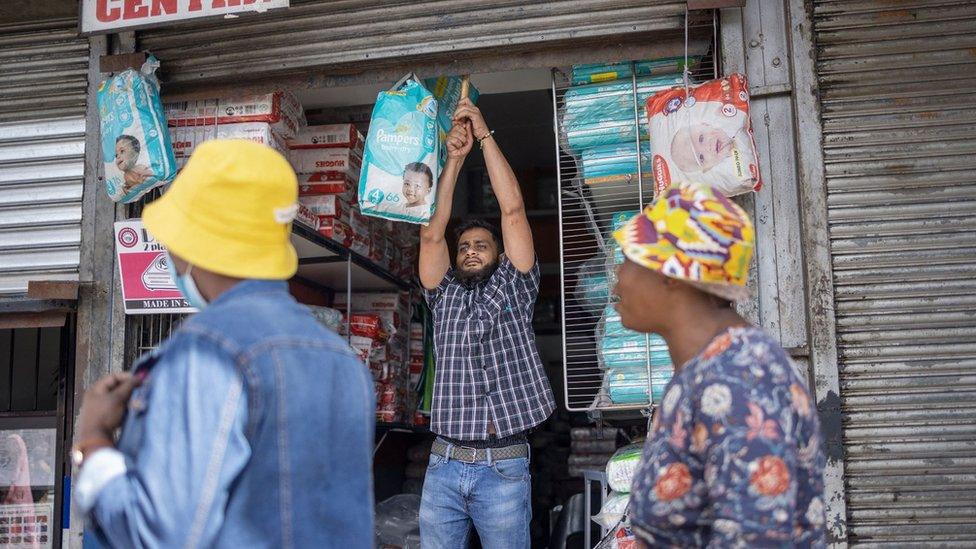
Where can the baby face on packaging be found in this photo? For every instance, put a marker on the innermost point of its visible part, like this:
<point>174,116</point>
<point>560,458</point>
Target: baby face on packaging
<point>700,147</point>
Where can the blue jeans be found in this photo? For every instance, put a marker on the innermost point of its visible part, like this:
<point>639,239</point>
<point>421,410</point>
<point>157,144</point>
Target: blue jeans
<point>496,497</point>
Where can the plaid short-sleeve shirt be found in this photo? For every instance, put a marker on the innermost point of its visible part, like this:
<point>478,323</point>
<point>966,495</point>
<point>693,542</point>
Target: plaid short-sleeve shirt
<point>488,366</point>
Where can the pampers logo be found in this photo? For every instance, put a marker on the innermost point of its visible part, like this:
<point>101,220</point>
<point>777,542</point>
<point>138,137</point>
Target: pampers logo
<point>397,138</point>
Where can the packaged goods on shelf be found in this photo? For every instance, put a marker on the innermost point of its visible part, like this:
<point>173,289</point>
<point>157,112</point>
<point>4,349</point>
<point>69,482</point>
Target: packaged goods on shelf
<point>329,136</point>
<point>704,139</point>
<point>329,317</point>
<point>375,301</point>
<point>306,217</point>
<point>137,152</point>
<point>334,182</point>
<point>622,467</point>
<point>337,230</point>
<point>341,160</point>
<point>593,73</point>
<point>629,385</point>
<point>613,511</point>
<point>189,138</point>
<point>372,326</point>
<point>592,284</point>
<point>326,205</point>
<point>362,345</point>
<point>280,109</point>
<point>616,163</point>
<point>603,114</point>
<point>447,91</point>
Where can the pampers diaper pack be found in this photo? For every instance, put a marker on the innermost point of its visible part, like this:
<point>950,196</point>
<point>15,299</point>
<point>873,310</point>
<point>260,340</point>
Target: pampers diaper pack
<point>136,148</point>
<point>447,92</point>
<point>705,138</point>
<point>400,166</point>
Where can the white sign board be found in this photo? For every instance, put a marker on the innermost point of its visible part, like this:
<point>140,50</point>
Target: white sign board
<point>114,15</point>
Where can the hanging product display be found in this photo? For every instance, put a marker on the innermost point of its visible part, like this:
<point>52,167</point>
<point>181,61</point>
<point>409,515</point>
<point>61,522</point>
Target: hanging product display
<point>447,91</point>
<point>400,164</point>
<point>136,149</point>
<point>705,138</point>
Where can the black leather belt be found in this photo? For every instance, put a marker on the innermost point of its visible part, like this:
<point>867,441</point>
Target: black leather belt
<point>474,455</point>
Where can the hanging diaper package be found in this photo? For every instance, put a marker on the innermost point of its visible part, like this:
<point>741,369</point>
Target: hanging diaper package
<point>400,165</point>
<point>136,148</point>
<point>705,138</point>
<point>447,92</point>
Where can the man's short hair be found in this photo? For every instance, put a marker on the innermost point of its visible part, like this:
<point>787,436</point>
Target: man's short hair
<point>469,224</point>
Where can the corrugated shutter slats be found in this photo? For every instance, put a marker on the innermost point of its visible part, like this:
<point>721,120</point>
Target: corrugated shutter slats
<point>43,85</point>
<point>899,121</point>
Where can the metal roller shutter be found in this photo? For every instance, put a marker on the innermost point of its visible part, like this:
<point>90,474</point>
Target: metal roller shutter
<point>43,85</point>
<point>899,125</point>
<point>357,34</point>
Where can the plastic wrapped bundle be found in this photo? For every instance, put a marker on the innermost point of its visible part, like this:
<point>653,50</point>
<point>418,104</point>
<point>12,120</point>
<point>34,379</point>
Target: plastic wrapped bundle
<point>593,73</point>
<point>603,114</point>
<point>613,511</point>
<point>621,468</point>
<point>626,386</point>
<point>593,285</point>
<point>704,137</point>
<point>330,318</point>
<point>615,163</point>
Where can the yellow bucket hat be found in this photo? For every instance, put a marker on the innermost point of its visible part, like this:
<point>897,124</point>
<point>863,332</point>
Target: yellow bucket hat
<point>694,234</point>
<point>230,210</point>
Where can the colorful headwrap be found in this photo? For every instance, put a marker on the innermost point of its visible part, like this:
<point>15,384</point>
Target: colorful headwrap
<point>695,234</point>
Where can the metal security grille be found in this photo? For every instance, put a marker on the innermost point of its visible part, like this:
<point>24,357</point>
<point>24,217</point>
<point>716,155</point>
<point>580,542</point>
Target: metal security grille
<point>355,35</point>
<point>43,82</point>
<point>146,332</point>
<point>899,126</point>
<point>587,213</point>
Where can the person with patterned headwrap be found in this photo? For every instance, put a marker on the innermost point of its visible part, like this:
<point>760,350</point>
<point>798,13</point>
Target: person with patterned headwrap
<point>734,457</point>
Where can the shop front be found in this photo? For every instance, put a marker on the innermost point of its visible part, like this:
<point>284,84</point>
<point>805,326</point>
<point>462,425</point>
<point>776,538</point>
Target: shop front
<point>264,76</point>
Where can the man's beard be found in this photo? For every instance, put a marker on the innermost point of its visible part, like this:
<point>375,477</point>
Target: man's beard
<point>470,279</point>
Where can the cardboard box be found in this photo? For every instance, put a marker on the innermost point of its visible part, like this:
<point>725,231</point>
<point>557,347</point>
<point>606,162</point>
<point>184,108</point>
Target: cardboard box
<point>306,217</point>
<point>320,183</point>
<point>329,136</point>
<point>280,109</point>
<point>187,139</point>
<point>341,160</point>
<point>336,229</point>
<point>375,301</point>
<point>326,206</point>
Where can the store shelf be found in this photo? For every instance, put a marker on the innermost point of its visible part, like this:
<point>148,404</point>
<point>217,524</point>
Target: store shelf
<point>326,262</point>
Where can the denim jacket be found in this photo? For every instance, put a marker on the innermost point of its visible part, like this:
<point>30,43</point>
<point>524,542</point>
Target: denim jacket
<point>253,427</point>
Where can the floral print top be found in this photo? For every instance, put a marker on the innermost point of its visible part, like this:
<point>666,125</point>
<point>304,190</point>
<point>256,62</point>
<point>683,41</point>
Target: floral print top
<point>734,458</point>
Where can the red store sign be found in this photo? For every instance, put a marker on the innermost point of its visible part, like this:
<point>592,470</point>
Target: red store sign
<point>114,15</point>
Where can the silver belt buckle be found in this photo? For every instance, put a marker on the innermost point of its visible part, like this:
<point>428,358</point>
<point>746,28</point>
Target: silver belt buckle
<point>474,454</point>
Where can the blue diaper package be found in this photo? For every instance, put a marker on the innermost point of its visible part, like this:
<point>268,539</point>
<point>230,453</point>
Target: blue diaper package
<point>400,162</point>
<point>615,162</point>
<point>447,91</point>
<point>136,149</point>
<point>593,73</point>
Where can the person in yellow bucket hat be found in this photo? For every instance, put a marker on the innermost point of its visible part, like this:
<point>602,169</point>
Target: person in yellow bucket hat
<point>251,425</point>
<point>734,456</point>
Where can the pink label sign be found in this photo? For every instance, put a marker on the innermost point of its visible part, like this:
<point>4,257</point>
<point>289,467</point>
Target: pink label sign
<point>147,285</point>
